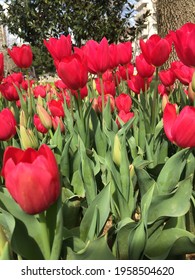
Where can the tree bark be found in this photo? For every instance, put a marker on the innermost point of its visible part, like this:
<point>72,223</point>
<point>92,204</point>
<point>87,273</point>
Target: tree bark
<point>171,15</point>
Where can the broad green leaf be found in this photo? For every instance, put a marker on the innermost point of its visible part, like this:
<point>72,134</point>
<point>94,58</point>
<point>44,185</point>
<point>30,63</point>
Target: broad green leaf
<point>171,172</point>
<point>95,250</point>
<point>170,243</point>
<point>87,173</point>
<point>64,163</point>
<point>173,204</point>
<point>96,215</point>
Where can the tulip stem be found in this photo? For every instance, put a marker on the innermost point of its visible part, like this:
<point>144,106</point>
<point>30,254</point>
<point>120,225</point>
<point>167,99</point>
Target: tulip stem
<point>45,236</point>
<point>154,102</point>
<point>102,95</point>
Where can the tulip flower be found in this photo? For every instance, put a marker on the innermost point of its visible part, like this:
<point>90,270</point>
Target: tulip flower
<point>9,91</point>
<point>144,69</point>
<point>97,56</point>
<point>180,128</point>
<point>138,84</point>
<point>109,87</point>
<point>124,117</point>
<point>182,72</point>
<point>7,124</point>
<point>125,71</point>
<point>123,102</point>
<point>106,98</point>
<point>22,56</point>
<point>56,108</point>
<point>124,53</point>
<point>38,124</point>
<point>59,48</point>
<point>184,42</point>
<point>73,71</point>
<point>113,56</point>
<point>155,50</point>
<point>39,90</point>
<point>22,169</point>
<point>167,77</point>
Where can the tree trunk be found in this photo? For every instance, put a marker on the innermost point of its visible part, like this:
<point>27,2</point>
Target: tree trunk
<point>171,15</point>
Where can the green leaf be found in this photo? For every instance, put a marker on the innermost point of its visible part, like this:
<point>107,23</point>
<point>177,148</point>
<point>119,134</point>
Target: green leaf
<point>95,250</point>
<point>96,215</point>
<point>170,243</point>
<point>171,172</point>
<point>173,204</point>
<point>87,173</point>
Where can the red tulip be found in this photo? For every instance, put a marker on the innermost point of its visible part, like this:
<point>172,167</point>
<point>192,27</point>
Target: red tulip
<point>9,91</point>
<point>97,56</point>
<point>56,121</point>
<point>124,53</point>
<point>182,72</point>
<point>73,71</point>
<point>123,102</point>
<point>180,129</point>
<point>56,108</point>
<point>109,87</point>
<point>106,98</point>
<point>59,48</point>
<point>7,124</point>
<point>22,56</point>
<point>124,117</point>
<point>138,84</point>
<point>39,90</point>
<point>38,124</point>
<point>184,42</point>
<point>22,169</point>
<point>155,50</point>
<point>83,92</point>
<point>167,77</point>
<point>113,56</point>
<point>126,70</point>
<point>144,69</point>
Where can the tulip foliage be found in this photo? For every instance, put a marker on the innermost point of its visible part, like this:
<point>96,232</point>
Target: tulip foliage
<point>100,163</point>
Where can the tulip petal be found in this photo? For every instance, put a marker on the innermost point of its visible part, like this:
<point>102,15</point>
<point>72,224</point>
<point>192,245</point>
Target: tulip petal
<point>169,117</point>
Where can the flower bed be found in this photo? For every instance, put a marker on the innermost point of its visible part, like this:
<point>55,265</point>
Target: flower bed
<point>100,164</point>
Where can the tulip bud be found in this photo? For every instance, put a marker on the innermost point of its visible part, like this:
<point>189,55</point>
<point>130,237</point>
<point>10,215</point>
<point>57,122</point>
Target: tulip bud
<point>27,138</point>
<point>40,100</point>
<point>3,240</point>
<point>117,150</point>
<point>33,139</point>
<point>132,170</point>
<point>23,119</point>
<point>165,100</point>
<point>44,117</point>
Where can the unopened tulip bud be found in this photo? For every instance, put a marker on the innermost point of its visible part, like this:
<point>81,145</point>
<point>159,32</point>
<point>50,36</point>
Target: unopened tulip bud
<point>40,100</point>
<point>117,150</point>
<point>33,139</point>
<point>132,170</point>
<point>57,121</point>
<point>193,81</point>
<point>24,138</point>
<point>3,240</point>
<point>165,100</point>
<point>45,118</point>
<point>23,119</point>
<point>191,92</point>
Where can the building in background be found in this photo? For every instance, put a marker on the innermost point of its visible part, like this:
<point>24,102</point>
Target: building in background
<point>150,26</point>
